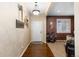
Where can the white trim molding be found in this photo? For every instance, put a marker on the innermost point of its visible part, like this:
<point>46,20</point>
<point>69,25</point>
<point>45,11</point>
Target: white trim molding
<point>25,49</point>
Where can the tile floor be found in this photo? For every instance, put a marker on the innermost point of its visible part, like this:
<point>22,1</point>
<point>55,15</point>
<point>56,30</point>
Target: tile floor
<point>58,48</point>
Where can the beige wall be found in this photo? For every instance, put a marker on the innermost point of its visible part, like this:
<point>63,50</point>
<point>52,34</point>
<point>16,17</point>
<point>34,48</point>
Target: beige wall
<point>76,11</point>
<point>12,40</point>
<point>43,19</point>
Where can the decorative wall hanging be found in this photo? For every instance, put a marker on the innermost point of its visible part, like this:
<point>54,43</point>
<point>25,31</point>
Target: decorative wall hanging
<point>19,24</point>
<point>20,9</point>
<point>19,21</point>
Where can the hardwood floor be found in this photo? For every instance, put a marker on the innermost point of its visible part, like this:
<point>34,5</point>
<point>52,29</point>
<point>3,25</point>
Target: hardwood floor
<point>37,49</point>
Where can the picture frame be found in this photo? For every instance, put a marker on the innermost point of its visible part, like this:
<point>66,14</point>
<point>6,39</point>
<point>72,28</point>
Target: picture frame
<point>20,11</point>
<point>19,24</point>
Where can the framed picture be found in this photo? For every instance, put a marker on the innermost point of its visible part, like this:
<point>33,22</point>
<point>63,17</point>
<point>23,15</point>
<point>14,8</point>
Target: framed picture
<point>19,24</point>
<point>19,20</point>
<point>20,12</point>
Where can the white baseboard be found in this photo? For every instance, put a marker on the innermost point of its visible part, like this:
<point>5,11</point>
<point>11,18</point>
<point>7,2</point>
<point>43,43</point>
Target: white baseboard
<point>25,49</point>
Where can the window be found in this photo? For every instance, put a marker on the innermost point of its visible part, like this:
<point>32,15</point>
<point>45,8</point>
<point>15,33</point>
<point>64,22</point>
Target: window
<point>63,25</point>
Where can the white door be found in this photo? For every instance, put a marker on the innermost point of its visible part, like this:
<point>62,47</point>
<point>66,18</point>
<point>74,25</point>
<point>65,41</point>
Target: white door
<point>36,30</point>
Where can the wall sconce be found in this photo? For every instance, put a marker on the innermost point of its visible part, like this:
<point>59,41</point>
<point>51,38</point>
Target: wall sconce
<point>26,21</point>
<point>51,23</point>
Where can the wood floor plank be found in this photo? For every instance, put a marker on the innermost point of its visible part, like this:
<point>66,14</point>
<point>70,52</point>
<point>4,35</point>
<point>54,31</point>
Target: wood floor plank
<point>38,50</point>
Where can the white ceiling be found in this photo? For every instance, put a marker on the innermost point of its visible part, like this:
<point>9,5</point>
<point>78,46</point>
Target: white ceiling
<point>42,6</point>
<point>61,9</point>
<point>52,8</point>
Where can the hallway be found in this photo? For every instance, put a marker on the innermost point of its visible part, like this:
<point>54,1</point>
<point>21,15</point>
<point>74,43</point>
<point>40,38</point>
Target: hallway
<point>25,29</point>
<point>38,49</point>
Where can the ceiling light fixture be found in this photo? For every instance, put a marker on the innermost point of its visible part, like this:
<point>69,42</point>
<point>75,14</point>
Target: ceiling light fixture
<point>36,11</point>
